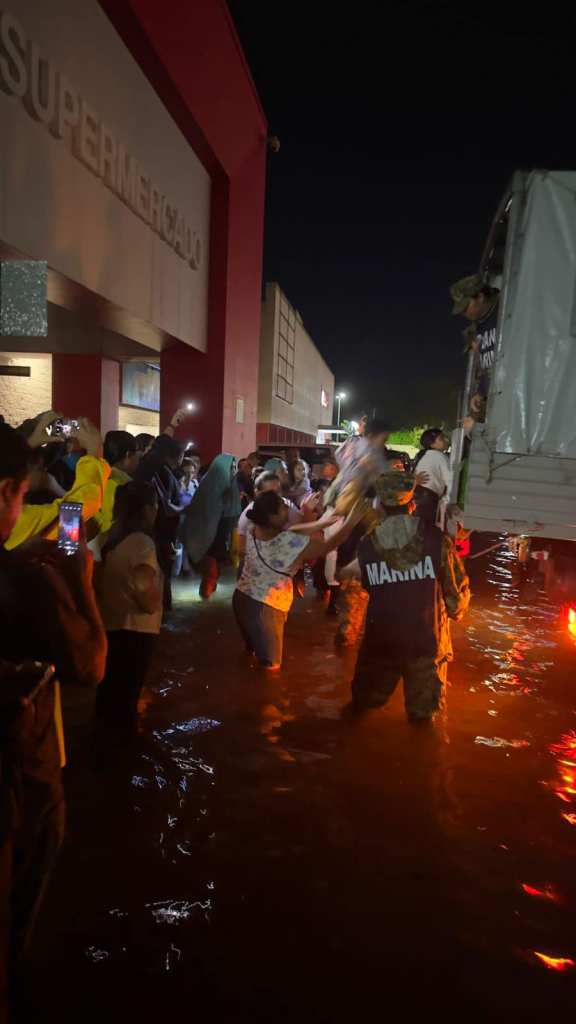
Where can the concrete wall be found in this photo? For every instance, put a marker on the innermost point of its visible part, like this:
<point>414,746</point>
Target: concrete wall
<point>21,398</point>
<point>268,348</point>
<point>138,421</point>
<point>312,375</point>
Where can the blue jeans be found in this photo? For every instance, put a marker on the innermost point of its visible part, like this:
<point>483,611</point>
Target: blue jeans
<point>262,627</point>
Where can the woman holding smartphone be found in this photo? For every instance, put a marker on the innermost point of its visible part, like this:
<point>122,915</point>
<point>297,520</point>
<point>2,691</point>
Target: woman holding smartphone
<point>130,594</point>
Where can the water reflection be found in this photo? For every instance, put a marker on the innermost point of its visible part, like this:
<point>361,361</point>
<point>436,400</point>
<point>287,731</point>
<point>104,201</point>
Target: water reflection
<point>555,963</point>
<point>564,785</point>
<point>175,911</point>
<point>513,627</point>
<point>254,798</point>
<point>548,893</point>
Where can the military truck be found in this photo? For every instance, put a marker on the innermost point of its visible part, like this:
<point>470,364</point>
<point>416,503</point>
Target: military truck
<point>515,473</point>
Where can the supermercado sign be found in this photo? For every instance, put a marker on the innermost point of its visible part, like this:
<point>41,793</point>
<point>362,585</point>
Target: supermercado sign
<point>52,100</point>
<point>96,177</point>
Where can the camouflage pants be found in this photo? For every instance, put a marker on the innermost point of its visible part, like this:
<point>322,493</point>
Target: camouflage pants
<point>377,677</point>
<point>352,604</point>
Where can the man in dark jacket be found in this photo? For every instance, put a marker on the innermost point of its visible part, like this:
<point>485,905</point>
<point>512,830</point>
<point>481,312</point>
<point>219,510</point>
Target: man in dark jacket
<point>48,615</point>
<point>159,467</point>
<point>415,582</point>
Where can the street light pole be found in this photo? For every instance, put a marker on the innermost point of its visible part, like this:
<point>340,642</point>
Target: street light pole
<point>340,397</point>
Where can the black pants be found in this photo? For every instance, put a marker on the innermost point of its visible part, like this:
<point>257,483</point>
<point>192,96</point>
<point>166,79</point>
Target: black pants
<point>127,665</point>
<point>28,854</point>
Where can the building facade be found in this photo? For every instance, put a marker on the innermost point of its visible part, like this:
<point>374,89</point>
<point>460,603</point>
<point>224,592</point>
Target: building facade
<point>133,163</point>
<point>295,386</point>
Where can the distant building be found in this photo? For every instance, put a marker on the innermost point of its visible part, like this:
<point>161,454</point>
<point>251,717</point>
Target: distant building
<point>295,386</point>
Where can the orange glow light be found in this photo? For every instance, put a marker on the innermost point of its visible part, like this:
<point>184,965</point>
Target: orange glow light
<point>572,621</point>
<point>567,744</point>
<point>565,785</point>
<point>542,894</point>
<point>555,963</point>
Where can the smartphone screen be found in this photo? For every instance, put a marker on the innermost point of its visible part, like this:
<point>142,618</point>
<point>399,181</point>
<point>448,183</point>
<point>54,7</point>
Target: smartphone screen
<point>69,526</point>
<point>69,427</point>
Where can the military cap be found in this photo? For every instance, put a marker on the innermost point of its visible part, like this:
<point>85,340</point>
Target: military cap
<point>395,488</point>
<point>464,290</point>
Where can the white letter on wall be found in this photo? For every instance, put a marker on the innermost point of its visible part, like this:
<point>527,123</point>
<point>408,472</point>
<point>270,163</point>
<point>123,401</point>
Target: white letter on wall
<point>156,201</point>
<point>108,157</point>
<point>13,77</point>
<point>126,176</point>
<point>88,141</point>
<point>41,102</point>
<point>68,112</point>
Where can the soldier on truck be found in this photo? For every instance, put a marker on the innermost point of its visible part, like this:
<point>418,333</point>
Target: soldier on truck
<point>478,303</point>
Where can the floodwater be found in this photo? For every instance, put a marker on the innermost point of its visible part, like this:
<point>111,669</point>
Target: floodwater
<point>255,856</point>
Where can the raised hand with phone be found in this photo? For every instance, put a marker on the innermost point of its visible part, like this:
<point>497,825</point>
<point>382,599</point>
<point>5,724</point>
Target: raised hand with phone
<point>178,418</point>
<point>45,431</point>
<point>91,476</point>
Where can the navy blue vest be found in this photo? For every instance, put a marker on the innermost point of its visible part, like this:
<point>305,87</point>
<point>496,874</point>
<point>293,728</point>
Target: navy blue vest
<point>401,619</point>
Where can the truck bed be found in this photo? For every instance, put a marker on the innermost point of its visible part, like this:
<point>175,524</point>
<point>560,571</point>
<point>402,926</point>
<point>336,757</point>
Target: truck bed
<point>520,494</point>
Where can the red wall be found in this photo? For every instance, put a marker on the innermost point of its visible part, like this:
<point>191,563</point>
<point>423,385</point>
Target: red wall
<point>86,385</point>
<point>191,54</point>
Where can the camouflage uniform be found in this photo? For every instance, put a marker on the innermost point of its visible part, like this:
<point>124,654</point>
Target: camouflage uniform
<point>462,292</point>
<point>352,604</point>
<point>407,632</point>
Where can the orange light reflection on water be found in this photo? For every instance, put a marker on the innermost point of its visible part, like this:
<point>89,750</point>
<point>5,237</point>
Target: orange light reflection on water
<point>555,963</point>
<point>565,785</point>
<point>548,893</point>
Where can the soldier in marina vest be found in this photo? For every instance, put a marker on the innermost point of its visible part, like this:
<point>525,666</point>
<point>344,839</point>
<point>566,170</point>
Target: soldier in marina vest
<point>416,583</point>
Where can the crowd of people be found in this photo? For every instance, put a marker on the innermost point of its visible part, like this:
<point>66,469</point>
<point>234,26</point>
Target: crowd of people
<point>359,529</point>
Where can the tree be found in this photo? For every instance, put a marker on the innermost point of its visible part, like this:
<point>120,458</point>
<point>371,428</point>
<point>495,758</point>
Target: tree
<point>409,435</point>
<point>347,426</point>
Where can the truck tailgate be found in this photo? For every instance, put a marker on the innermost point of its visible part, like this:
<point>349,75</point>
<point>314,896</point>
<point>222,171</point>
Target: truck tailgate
<point>528,494</point>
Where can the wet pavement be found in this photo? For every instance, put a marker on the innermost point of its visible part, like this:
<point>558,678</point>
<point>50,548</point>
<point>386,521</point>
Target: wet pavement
<point>258,857</point>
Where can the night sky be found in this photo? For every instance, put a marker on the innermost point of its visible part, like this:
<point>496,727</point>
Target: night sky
<point>398,137</point>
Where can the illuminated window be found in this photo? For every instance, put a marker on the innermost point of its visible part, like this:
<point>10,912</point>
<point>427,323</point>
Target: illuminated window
<point>286,352</point>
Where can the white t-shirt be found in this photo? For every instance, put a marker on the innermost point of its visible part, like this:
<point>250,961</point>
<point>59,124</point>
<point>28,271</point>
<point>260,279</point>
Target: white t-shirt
<point>437,466</point>
<point>294,516</point>
<point>117,605</point>
<point>259,580</point>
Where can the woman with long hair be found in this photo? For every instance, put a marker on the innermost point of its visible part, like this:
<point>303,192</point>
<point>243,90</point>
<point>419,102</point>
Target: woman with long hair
<point>130,597</point>
<point>264,592</point>
<point>299,479</point>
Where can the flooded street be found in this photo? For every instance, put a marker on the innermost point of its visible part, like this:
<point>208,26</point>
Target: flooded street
<point>257,856</point>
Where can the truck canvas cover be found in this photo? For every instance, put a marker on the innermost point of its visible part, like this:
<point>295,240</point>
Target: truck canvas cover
<point>532,409</point>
